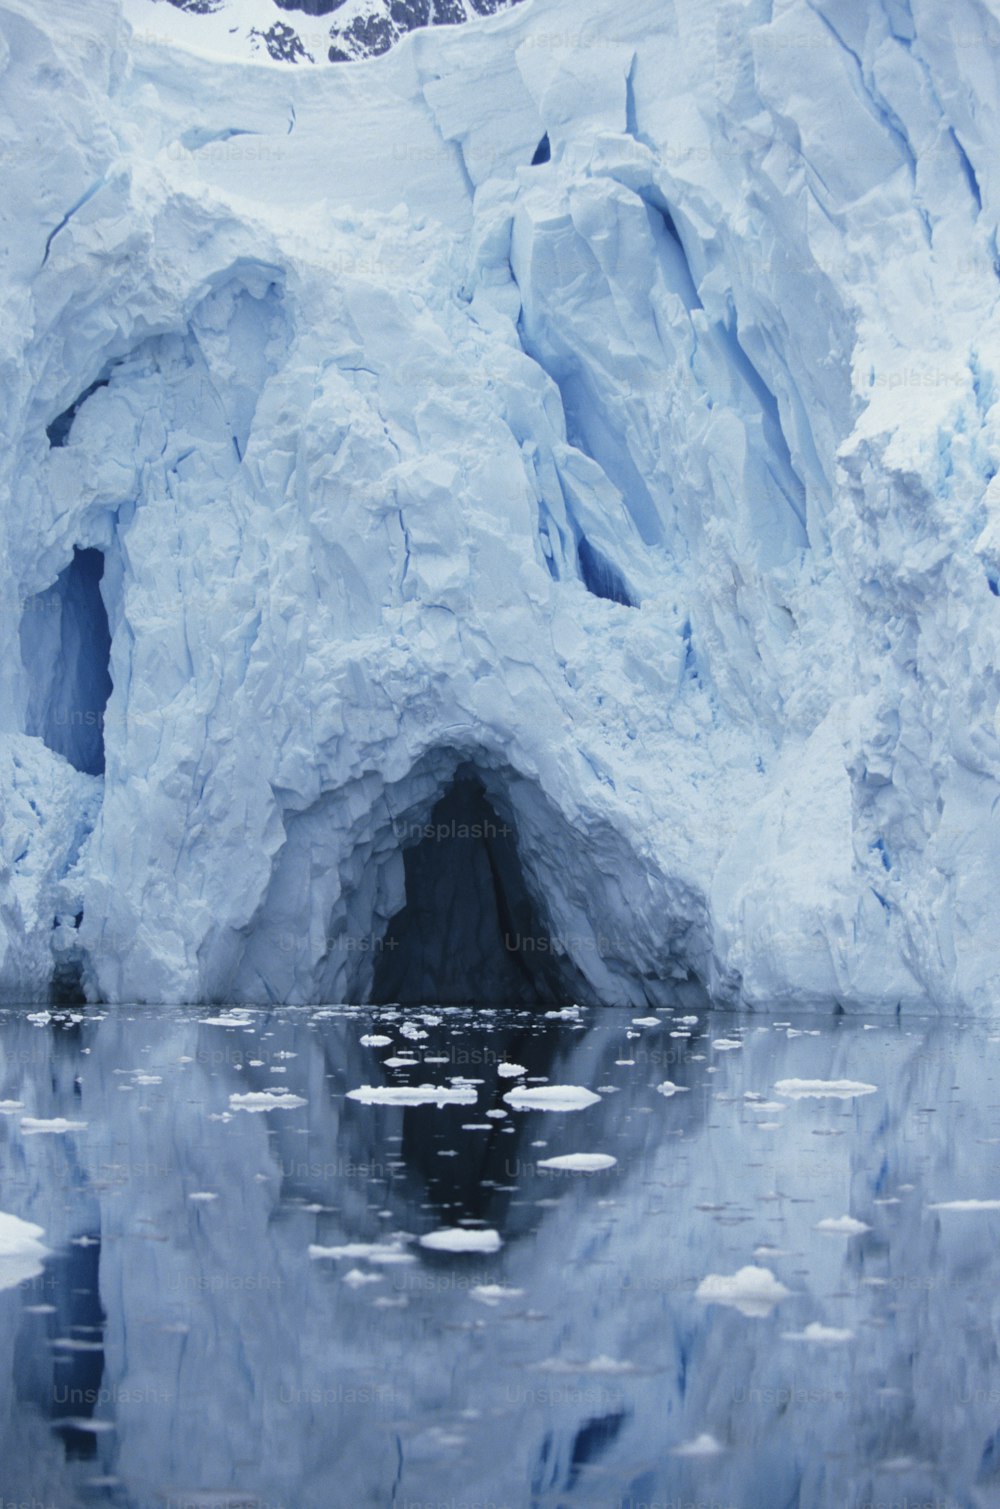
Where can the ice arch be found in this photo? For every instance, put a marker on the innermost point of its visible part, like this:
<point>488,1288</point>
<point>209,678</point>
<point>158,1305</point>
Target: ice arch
<point>470,931</point>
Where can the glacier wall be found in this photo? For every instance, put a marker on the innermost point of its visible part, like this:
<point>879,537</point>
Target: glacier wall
<point>601,402</point>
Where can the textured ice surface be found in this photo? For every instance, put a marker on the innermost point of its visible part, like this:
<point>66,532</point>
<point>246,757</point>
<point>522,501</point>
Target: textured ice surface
<point>597,403</point>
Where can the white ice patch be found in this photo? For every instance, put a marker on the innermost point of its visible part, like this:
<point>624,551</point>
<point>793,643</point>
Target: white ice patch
<point>704,1445</point>
<point>385,1254</point>
<point>965,1205</point>
<point>21,1251</point>
<point>56,1125</point>
<point>580,1163</point>
<point>836,1089</point>
<point>510,1071</point>
<point>753,1291</point>
<point>494,1294</point>
<point>841,1226</point>
<point>415,1095</point>
<point>460,1239</point>
<point>266,1100</point>
<point>726,1044</point>
<point>825,1336</point>
<point>668,1088</point>
<point>551,1098</point>
<point>375,1040</point>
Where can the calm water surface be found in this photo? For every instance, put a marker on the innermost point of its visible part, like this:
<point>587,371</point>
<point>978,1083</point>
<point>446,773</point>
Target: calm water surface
<point>233,1306</point>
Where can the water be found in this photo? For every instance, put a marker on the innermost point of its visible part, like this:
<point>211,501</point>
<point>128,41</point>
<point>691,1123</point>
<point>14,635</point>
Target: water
<point>179,1350</point>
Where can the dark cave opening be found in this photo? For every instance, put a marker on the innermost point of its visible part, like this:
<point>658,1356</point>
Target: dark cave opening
<point>66,649</point>
<point>470,932</point>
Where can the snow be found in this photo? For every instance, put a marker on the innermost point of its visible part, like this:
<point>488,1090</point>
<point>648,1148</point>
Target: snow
<point>551,1098</point>
<point>579,1163</point>
<point>752,1290</point>
<point>722,658</point>
<point>22,1253</point>
<point>415,1095</point>
<point>818,1089</point>
<point>462,1239</point>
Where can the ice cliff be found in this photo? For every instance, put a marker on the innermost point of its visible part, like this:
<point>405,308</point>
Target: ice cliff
<point>591,409</point>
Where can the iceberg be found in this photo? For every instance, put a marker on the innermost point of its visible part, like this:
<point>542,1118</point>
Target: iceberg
<point>542,477</point>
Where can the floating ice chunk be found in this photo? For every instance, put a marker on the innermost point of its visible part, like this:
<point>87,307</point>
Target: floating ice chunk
<point>415,1095</point>
<point>149,1079</point>
<point>726,1044</point>
<point>397,1062</point>
<point>826,1336</point>
<point>411,1031</point>
<point>551,1098</point>
<point>597,1365</point>
<point>228,1019</point>
<point>461,1239</point>
<point>371,1252</point>
<point>841,1226</point>
<point>702,1446</point>
<point>356,1278</point>
<point>753,1291</point>
<point>965,1205</point>
<point>55,1124</point>
<point>645,1021</point>
<point>494,1294</point>
<point>9,1107</point>
<point>669,1088</point>
<point>580,1163</point>
<point>510,1071</point>
<point>203,1196</point>
<point>266,1100</point>
<point>21,1251</point>
<point>375,1040</point>
<point>837,1089</point>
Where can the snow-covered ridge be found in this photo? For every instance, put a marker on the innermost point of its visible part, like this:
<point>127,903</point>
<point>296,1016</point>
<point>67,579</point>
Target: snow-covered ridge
<point>581,422</point>
<point>297,31</point>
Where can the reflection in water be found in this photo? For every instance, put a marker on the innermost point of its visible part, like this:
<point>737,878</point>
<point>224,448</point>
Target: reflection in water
<point>237,1308</point>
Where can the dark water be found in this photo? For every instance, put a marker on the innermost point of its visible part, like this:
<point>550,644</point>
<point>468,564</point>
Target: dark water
<point>180,1345</point>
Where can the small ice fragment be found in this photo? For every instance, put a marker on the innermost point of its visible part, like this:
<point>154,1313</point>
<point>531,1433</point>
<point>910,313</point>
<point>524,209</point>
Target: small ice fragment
<point>356,1278</point>
<point>227,1019</point>
<point>838,1089</point>
<point>965,1205</point>
<point>841,1226</point>
<point>580,1163</point>
<point>726,1044</point>
<point>56,1124</point>
<point>266,1100</point>
<point>551,1098</point>
<point>461,1239</point>
<point>510,1071</point>
<point>203,1195</point>
<point>827,1336</point>
<point>375,1040</point>
<point>753,1291</point>
<point>415,1095</point>
<point>645,1021</point>
<point>702,1446</point>
<point>669,1088</point>
<point>8,1107</point>
<point>492,1294</point>
<point>371,1252</point>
